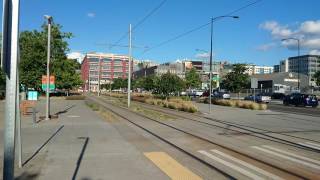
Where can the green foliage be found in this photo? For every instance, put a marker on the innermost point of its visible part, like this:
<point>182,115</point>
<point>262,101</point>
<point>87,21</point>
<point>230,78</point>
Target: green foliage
<point>316,76</point>
<point>119,83</point>
<point>193,79</point>
<point>33,55</point>
<point>2,79</point>
<point>236,80</point>
<point>169,84</point>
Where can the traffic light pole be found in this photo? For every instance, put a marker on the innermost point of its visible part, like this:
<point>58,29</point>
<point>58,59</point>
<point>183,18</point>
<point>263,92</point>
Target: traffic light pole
<point>10,43</point>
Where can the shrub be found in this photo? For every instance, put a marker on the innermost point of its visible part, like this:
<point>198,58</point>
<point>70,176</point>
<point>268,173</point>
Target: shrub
<point>77,97</point>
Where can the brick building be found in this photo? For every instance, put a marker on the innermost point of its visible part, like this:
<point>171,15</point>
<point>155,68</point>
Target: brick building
<point>111,67</point>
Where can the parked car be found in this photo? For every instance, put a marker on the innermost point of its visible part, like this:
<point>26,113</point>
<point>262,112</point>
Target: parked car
<point>195,92</point>
<point>260,98</point>
<point>278,96</point>
<point>221,95</point>
<point>299,99</point>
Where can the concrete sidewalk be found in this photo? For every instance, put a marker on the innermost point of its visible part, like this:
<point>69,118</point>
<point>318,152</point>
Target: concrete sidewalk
<point>78,145</point>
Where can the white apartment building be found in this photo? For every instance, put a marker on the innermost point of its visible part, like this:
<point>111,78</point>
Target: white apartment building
<point>254,69</point>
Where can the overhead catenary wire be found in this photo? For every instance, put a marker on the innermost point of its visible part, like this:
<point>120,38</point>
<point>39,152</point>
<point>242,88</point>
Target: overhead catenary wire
<point>198,28</point>
<point>139,23</point>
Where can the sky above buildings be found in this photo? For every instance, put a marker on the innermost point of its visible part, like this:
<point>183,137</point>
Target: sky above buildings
<point>253,38</point>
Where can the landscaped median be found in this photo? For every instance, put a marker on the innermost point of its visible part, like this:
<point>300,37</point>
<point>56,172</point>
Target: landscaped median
<point>236,103</point>
<point>171,102</point>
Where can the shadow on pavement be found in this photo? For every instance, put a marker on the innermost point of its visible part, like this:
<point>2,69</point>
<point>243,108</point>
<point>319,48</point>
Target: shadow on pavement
<point>26,175</point>
<point>80,157</point>
<point>65,110</point>
<point>45,143</point>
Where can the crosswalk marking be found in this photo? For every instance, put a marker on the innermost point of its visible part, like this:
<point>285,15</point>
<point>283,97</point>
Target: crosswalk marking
<point>311,145</point>
<point>286,157</point>
<point>170,166</point>
<point>292,154</point>
<point>261,171</point>
<point>235,167</point>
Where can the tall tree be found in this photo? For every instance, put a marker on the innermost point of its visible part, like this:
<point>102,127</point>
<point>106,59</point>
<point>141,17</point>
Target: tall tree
<point>237,79</point>
<point>316,76</point>
<point>169,84</point>
<point>33,54</point>
<point>193,79</point>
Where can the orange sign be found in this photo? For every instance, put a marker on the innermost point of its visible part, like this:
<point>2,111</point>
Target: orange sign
<point>44,79</point>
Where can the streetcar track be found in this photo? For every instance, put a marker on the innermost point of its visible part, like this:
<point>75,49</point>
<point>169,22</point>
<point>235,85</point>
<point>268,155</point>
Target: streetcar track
<point>201,138</point>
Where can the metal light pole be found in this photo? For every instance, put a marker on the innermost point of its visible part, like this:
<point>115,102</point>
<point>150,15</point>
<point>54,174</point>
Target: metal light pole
<point>9,63</point>
<point>298,41</point>
<point>210,75</point>
<point>99,76</point>
<point>49,18</point>
<point>129,70</point>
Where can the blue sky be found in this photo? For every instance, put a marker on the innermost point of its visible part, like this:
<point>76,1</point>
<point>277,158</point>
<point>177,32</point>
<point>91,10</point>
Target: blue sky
<point>254,38</point>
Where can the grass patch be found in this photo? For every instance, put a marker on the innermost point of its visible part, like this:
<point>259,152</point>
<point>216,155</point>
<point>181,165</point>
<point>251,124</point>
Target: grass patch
<point>76,97</point>
<point>152,114</point>
<point>93,106</point>
<point>239,104</point>
<point>108,115</point>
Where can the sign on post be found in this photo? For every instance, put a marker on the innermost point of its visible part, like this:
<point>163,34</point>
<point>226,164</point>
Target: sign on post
<point>254,83</point>
<point>51,84</point>
<point>33,95</point>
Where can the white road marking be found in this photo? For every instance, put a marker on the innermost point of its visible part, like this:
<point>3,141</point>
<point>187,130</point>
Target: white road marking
<point>292,154</point>
<point>230,165</point>
<point>286,157</point>
<point>311,145</point>
<point>261,171</point>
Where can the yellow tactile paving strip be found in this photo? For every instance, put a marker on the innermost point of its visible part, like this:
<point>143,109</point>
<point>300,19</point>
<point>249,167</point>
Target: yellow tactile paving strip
<point>171,167</point>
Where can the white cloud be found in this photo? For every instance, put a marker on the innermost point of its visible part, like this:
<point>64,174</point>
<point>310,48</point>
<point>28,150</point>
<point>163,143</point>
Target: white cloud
<point>308,32</point>
<point>266,47</point>
<point>91,14</point>
<point>310,27</point>
<point>76,55</point>
<point>277,30</point>
<point>203,55</point>
<point>315,52</point>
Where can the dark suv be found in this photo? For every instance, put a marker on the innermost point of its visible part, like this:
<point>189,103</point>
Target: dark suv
<point>299,99</point>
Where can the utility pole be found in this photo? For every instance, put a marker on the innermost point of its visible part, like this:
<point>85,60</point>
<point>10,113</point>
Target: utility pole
<point>129,71</point>
<point>10,44</point>
<point>210,64</point>
<point>49,18</point>
<point>99,75</point>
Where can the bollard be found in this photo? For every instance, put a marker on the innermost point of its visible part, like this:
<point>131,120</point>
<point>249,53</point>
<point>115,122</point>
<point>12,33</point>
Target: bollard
<point>34,115</point>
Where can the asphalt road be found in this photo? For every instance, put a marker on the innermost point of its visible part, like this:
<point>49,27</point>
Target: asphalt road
<point>309,111</point>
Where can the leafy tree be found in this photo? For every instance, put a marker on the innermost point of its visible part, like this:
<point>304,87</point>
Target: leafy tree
<point>33,55</point>
<point>236,80</point>
<point>2,79</point>
<point>119,83</point>
<point>169,83</point>
<point>316,76</point>
<point>193,79</point>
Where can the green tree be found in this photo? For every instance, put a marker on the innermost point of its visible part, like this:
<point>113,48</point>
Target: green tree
<point>119,83</point>
<point>193,79</point>
<point>33,55</point>
<point>169,84</point>
<point>236,80</point>
<point>316,76</point>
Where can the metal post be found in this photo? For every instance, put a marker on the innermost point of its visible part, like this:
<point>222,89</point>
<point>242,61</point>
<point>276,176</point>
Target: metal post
<point>129,70</point>
<point>49,18</point>
<point>298,64</point>
<point>18,122</point>
<point>10,40</point>
<point>210,64</point>
<point>99,74</point>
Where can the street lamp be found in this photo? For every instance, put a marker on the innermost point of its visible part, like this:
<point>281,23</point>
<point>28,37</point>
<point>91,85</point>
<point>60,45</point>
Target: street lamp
<point>211,39</point>
<point>49,18</point>
<point>298,41</point>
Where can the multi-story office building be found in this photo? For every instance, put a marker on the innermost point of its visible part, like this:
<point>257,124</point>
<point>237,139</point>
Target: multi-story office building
<point>276,68</point>
<point>254,69</point>
<point>108,66</point>
<point>306,64</point>
<point>284,65</point>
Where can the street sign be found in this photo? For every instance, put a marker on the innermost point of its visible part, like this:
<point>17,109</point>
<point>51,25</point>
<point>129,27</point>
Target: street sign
<point>51,83</point>
<point>254,83</point>
<point>215,78</point>
<point>33,95</point>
